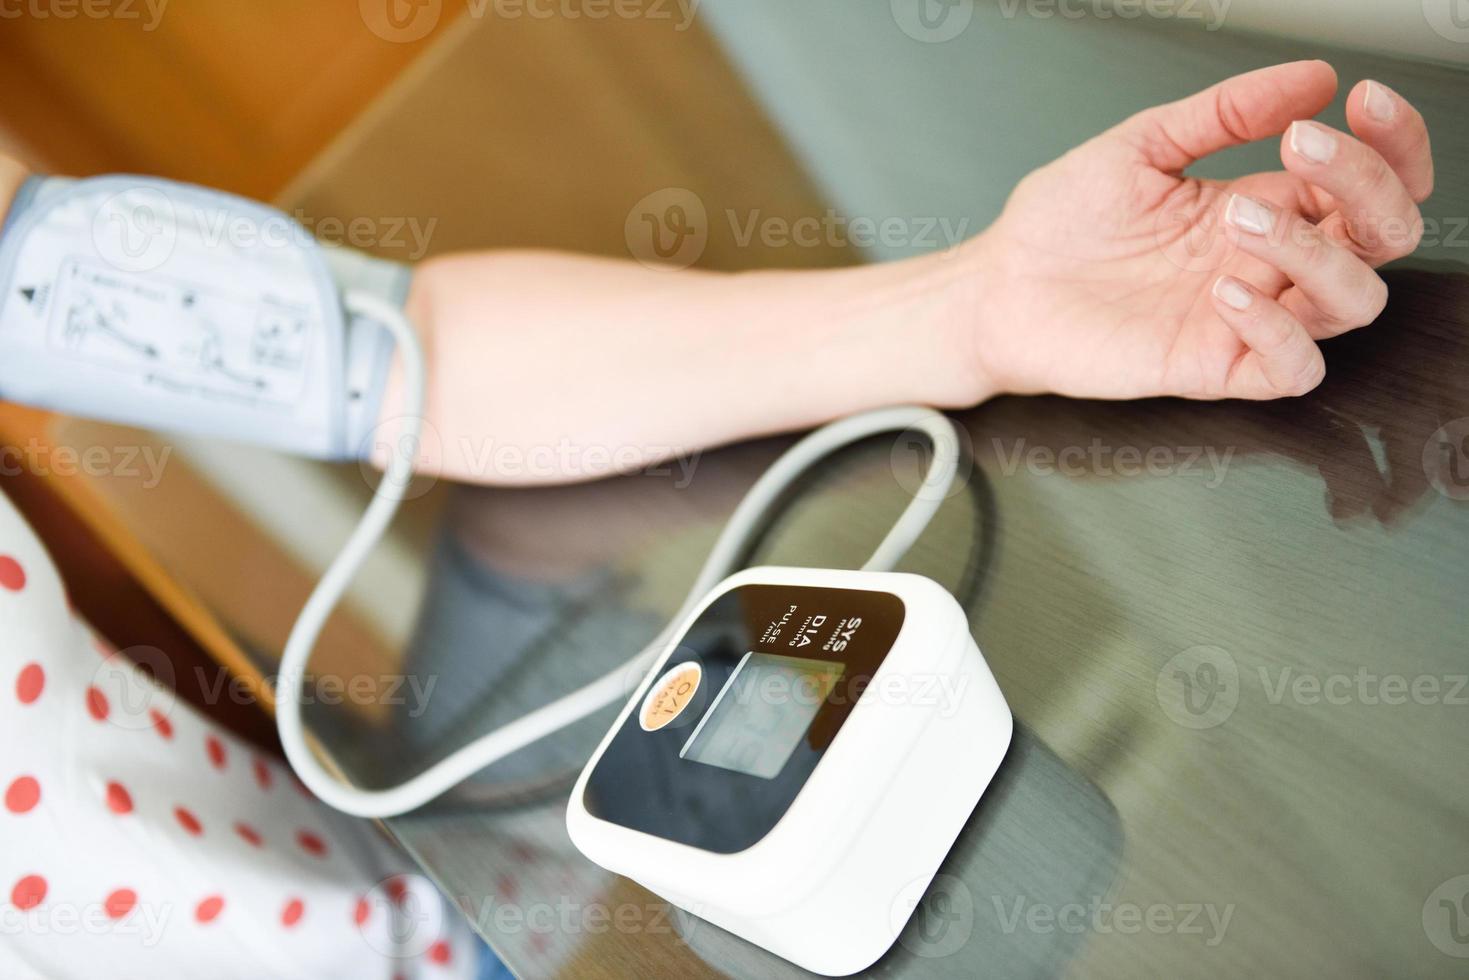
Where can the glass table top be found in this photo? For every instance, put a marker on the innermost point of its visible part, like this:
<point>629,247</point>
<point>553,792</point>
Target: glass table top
<point>1232,635</point>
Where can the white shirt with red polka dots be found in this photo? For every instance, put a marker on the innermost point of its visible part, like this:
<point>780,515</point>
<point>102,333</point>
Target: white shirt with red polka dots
<point>137,840</point>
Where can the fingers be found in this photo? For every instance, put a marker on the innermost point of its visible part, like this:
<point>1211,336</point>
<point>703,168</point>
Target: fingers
<point>1282,359</point>
<point>1376,216</point>
<point>1385,121</point>
<point>1238,110</point>
<point>1335,290</point>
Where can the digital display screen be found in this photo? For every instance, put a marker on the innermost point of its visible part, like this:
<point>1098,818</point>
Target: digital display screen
<point>761,713</point>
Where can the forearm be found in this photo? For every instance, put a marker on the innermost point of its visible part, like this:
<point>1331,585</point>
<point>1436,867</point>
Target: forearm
<point>549,368</point>
<point>555,368</point>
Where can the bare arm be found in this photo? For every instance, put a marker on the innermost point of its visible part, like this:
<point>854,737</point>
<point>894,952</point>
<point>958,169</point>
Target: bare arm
<point>12,175</point>
<point>1110,274</point>
<point>554,368</point>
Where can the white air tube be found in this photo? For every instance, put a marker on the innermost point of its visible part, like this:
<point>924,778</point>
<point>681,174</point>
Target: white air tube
<point>743,524</point>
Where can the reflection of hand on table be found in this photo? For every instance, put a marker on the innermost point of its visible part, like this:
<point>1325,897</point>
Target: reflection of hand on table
<point>1393,386</point>
<point>549,534</point>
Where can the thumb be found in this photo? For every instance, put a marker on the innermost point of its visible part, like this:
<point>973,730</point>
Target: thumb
<point>1238,110</point>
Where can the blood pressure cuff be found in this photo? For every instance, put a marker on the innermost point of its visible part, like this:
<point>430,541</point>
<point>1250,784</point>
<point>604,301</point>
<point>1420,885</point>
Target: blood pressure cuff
<point>174,307</point>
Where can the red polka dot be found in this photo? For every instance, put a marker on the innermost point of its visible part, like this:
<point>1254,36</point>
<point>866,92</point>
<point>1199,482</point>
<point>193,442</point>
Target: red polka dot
<point>310,843</point>
<point>161,722</point>
<point>120,903</point>
<point>439,952</point>
<point>24,793</point>
<point>12,576</point>
<point>506,887</point>
<point>28,685</point>
<point>262,773</point>
<point>119,800</point>
<point>291,914</point>
<point>97,705</point>
<point>29,892</point>
<point>360,913</point>
<point>248,834</point>
<point>215,748</point>
<point>397,890</point>
<point>209,909</point>
<point>188,821</point>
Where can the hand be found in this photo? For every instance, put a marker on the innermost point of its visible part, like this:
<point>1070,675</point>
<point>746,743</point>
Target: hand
<point>1107,275</point>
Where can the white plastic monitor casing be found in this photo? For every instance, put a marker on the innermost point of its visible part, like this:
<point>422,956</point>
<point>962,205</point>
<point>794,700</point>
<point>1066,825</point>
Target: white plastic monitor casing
<point>832,884</point>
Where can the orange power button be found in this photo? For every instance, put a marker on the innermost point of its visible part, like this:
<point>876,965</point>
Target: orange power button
<point>668,698</point>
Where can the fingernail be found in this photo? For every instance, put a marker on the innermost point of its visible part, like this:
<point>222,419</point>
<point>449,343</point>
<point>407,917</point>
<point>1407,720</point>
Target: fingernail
<point>1378,102</point>
<point>1248,214</point>
<point>1312,142</point>
<point>1232,292</point>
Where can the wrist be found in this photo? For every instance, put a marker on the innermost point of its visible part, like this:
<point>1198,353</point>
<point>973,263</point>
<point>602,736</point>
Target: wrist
<point>956,288</point>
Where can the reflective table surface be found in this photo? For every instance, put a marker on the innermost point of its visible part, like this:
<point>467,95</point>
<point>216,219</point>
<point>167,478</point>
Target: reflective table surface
<point>1233,637</point>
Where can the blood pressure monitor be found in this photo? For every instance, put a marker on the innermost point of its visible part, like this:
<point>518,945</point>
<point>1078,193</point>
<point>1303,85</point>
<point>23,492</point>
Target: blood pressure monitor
<point>797,764</point>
